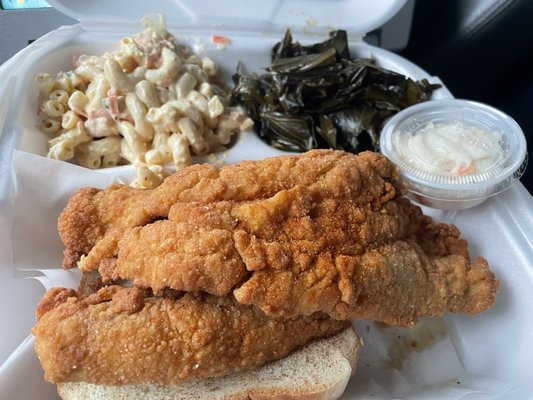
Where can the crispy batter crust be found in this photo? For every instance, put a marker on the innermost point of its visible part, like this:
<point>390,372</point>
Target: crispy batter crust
<point>230,268</point>
<point>349,262</point>
<point>125,336</point>
<point>92,213</point>
<point>325,231</point>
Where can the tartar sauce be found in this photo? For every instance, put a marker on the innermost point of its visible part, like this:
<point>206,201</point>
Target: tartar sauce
<point>453,149</point>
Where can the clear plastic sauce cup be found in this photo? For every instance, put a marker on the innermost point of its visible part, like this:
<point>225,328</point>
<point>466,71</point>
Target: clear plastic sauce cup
<point>454,154</point>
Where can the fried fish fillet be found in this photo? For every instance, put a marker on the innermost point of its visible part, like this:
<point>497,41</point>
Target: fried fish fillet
<point>344,243</point>
<point>348,262</point>
<point>125,336</point>
<point>91,213</point>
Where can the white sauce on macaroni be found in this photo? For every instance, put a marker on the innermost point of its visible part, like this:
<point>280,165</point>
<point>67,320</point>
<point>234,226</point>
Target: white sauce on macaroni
<point>453,149</point>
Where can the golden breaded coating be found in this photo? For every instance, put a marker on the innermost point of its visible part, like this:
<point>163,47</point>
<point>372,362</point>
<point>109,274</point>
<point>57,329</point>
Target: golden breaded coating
<point>91,213</point>
<point>344,243</point>
<point>123,336</point>
<point>396,283</point>
<point>332,258</point>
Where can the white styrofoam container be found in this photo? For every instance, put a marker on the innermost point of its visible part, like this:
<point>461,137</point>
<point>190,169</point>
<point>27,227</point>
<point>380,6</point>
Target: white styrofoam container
<point>496,344</point>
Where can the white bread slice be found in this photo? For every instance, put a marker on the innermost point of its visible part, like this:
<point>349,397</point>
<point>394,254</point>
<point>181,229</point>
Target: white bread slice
<point>320,370</point>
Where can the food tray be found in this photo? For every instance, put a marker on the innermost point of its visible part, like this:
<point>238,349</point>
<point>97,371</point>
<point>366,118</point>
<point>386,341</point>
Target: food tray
<point>482,357</point>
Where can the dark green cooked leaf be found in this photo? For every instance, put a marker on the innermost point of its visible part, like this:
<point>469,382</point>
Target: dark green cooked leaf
<point>316,96</point>
<point>327,131</point>
<point>292,133</point>
<point>303,63</point>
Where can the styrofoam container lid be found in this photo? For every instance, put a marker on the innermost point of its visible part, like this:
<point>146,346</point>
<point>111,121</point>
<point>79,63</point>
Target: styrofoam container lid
<point>357,17</point>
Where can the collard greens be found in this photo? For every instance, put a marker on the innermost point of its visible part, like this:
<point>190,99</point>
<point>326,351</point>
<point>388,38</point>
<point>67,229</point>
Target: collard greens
<point>318,97</point>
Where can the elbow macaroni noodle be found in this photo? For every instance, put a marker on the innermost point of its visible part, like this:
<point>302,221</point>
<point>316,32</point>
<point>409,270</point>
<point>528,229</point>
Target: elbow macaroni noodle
<point>149,103</point>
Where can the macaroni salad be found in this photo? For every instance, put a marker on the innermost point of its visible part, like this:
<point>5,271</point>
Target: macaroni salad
<point>150,103</point>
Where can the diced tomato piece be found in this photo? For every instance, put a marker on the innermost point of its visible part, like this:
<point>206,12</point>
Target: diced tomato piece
<point>219,39</point>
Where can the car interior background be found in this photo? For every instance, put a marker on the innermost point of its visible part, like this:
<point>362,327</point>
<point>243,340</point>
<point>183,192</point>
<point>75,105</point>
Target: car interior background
<point>481,49</point>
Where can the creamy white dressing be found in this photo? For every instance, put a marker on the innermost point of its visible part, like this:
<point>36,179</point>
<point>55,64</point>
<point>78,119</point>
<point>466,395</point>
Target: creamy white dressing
<point>454,149</point>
